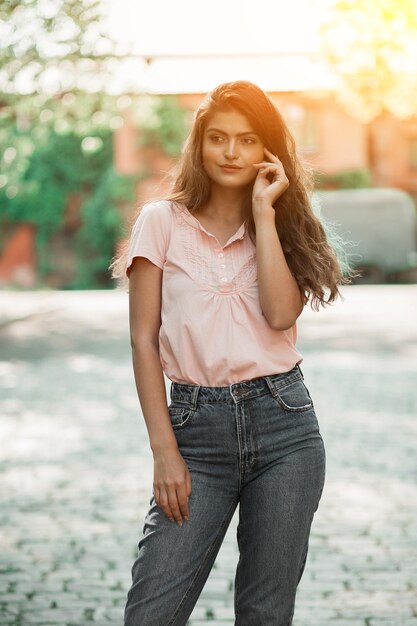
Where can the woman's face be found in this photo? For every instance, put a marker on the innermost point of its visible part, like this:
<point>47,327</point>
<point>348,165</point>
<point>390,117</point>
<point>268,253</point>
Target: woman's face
<point>230,147</point>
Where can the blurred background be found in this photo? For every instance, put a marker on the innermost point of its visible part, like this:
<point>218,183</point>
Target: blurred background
<point>96,98</point>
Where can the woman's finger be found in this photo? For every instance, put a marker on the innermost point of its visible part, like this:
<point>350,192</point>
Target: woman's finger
<point>173,503</point>
<point>270,154</point>
<point>264,171</point>
<point>269,164</point>
<point>163,504</point>
<point>183,501</point>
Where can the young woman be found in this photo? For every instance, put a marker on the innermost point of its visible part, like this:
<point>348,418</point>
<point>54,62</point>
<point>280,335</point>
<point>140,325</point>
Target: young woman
<point>219,272</point>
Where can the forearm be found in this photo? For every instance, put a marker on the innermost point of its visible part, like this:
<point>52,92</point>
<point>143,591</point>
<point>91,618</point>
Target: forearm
<point>279,294</point>
<point>150,386</point>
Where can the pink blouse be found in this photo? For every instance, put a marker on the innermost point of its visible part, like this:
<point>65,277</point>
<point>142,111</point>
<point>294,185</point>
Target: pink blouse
<point>213,331</point>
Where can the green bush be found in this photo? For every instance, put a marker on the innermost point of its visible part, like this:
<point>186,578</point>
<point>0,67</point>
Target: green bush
<point>51,149</point>
<point>164,125</point>
<point>351,179</point>
<point>39,183</point>
<point>101,228</point>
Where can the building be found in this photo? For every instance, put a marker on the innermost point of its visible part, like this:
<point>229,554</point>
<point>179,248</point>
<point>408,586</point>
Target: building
<point>329,137</point>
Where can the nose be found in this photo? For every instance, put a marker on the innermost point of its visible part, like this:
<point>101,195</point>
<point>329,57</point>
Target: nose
<point>231,150</point>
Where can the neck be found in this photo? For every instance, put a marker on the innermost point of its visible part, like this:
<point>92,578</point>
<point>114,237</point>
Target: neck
<point>227,205</point>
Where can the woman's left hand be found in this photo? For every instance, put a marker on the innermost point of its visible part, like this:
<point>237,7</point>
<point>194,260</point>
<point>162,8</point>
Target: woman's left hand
<point>266,191</point>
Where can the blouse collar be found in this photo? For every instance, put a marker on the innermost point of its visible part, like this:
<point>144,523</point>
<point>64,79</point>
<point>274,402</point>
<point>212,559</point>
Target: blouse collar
<point>193,221</point>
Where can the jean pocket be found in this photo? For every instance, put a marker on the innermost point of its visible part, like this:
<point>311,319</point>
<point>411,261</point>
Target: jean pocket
<point>294,397</point>
<point>180,416</point>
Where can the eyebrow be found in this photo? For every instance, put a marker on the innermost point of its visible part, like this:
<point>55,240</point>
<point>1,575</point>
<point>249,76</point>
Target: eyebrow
<point>249,132</point>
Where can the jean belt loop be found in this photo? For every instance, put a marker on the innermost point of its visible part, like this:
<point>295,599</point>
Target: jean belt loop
<point>301,373</point>
<point>270,385</point>
<point>194,396</point>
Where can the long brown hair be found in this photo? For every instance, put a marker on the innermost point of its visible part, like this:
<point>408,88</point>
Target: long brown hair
<point>309,254</point>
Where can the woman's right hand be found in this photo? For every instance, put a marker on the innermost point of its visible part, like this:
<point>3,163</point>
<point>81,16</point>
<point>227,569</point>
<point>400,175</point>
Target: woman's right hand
<point>172,484</point>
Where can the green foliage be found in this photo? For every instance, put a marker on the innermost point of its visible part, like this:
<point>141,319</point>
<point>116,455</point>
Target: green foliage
<point>351,179</point>
<point>101,228</point>
<point>164,125</point>
<point>51,148</point>
<point>371,48</point>
<point>67,36</point>
<point>42,177</point>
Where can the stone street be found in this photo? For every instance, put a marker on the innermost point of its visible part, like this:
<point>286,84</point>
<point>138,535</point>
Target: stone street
<point>76,467</point>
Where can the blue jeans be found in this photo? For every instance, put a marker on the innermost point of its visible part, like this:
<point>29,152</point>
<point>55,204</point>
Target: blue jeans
<point>256,443</point>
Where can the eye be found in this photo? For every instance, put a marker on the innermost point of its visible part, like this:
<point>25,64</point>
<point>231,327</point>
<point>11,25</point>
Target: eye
<point>216,138</point>
<point>249,140</point>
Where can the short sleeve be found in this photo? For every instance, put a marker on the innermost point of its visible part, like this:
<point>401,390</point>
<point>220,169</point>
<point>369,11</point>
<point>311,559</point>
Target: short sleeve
<point>150,234</point>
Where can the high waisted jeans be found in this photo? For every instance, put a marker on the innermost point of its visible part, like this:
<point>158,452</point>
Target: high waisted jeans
<point>255,443</point>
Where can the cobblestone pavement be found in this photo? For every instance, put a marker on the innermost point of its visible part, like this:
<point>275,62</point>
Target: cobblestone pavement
<point>76,468</point>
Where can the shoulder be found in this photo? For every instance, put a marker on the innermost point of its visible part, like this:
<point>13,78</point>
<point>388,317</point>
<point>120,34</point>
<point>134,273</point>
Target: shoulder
<point>158,214</point>
<point>159,208</point>
<point>151,233</point>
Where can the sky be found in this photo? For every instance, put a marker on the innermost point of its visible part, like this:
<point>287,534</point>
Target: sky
<point>272,42</point>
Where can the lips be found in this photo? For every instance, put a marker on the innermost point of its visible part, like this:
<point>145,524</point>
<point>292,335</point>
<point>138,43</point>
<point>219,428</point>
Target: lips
<point>230,167</point>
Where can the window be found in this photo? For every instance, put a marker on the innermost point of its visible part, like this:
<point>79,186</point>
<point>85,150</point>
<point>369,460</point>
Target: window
<point>413,153</point>
<point>303,124</point>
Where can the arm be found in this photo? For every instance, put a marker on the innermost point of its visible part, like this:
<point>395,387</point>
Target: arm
<point>280,297</point>
<point>279,294</point>
<point>172,479</point>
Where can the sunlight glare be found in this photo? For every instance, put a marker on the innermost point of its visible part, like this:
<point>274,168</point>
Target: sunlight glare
<point>189,45</point>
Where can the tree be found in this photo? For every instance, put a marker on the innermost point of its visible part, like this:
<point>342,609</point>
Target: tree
<point>56,123</point>
<point>372,46</point>
<point>55,55</point>
<point>52,46</point>
<point>57,118</point>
